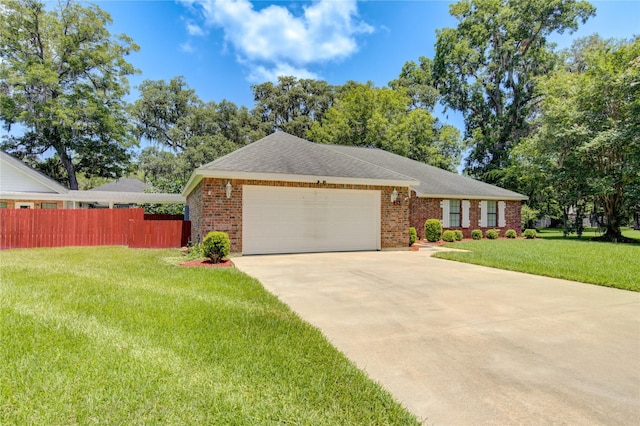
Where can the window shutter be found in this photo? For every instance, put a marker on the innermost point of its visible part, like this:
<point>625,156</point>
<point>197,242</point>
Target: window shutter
<point>502,220</point>
<point>444,204</point>
<point>483,214</point>
<point>465,220</point>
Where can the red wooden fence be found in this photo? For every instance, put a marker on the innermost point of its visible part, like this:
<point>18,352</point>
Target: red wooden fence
<point>24,228</point>
<point>159,233</point>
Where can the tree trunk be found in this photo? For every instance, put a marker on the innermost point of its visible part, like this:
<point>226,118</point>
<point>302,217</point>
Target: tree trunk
<point>611,205</point>
<point>66,162</point>
<point>636,221</point>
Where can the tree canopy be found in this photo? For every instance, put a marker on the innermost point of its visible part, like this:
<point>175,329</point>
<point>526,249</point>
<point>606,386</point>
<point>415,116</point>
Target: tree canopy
<point>63,77</point>
<point>364,115</point>
<point>588,143</point>
<point>486,68</point>
<point>172,116</point>
<point>292,105</point>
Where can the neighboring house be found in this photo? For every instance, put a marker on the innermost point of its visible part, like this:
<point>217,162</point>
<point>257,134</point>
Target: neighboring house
<point>283,194</point>
<point>24,187</point>
<point>128,185</point>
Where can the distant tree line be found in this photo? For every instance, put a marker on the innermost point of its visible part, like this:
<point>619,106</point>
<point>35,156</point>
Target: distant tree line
<point>559,126</point>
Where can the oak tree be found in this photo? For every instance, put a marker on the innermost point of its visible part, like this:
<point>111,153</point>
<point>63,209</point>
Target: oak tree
<point>63,78</point>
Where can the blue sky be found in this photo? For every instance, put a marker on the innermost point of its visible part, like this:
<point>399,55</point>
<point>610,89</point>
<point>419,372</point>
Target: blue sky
<point>222,47</point>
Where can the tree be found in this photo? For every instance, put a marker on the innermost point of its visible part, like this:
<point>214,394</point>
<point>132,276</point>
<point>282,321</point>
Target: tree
<point>590,128</point>
<point>173,117</point>
<point>417,80</point>
<point>161,110</point>
<point>63,79</point>
<point>293,105</point>
<point>486,68</point>
<point>384,118</point>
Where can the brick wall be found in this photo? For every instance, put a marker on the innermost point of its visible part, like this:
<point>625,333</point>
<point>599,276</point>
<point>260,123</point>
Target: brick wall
<point>211,210</point>
<point>37,204</point>
<point>429,208</point>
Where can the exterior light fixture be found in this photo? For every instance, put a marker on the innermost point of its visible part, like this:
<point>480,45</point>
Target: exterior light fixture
<point>394,195</point>
<point>228,189</point>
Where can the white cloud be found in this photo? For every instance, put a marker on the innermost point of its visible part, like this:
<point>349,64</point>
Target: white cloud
<point>260,73</point>
<point>187,47</point>
<point>273,40</point>
<point>195,30</point>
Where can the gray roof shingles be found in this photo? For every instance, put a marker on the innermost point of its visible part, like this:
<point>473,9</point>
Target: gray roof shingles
<point>433,181</point>
<point>282,153</point>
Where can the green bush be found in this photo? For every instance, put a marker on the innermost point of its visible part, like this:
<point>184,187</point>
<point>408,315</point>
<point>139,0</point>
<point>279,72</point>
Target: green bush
<point>195,252</point>
<point>511,233</point>
<point>529,234</point>
<point>458,234</point>
<point>433,230</point>
<point>476,234</point>
<point>449,236</point>
<point>492,234</point>
<point>216,246</point>
<point>413,235</point>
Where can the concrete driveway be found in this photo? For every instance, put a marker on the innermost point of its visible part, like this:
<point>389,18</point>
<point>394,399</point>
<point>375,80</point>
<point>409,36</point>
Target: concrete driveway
<point>463,344</point>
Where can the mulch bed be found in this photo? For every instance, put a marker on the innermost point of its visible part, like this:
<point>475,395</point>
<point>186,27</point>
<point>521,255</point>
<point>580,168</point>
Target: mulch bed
<point>206,263</point>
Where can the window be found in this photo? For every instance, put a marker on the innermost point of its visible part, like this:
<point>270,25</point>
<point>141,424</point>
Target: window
<point>492,213</point>
<point>49,205</point>
<point>3,204</point>
<point>454,213</point>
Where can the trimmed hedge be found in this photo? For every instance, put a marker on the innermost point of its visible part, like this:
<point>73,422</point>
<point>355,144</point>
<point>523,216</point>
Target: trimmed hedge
<point>476,234</point>
<point>216,246</point>
<point>413,235</point>
<point>529,234</point>
<point>449,236</point>
<point>458,234</point>
<point>511,233</point>
<point>492,234</point>
<point>432,230</point>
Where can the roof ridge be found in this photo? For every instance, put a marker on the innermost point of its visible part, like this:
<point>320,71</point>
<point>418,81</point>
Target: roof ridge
<point>364,161</point>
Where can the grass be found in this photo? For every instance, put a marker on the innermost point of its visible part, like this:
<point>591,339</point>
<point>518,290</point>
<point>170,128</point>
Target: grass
<point>588,234</point>
<point>112,335</point>
<point>606,264</point>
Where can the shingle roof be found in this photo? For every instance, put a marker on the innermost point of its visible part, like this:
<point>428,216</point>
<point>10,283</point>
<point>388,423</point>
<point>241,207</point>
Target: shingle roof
<point>123,185</point>
<point>434,182</point>
<point>283,154</point>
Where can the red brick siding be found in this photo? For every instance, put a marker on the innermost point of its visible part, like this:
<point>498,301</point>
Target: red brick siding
<point>429,208</point>
<point>210,209</point>
<point>37,204</point>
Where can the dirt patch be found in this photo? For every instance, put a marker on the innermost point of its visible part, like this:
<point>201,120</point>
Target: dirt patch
<point>206,263</point>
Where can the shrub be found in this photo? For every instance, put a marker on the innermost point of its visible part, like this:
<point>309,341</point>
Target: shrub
<point>492,234</point>
<point>529,234</point>
<point>216,246</point>
<point>449,236</point>
<point>511,233</point>
<point>195,252</point>
<point>476,234</point>
<point>458,234</point>
<point>413,235</point>
<point>432,230</point>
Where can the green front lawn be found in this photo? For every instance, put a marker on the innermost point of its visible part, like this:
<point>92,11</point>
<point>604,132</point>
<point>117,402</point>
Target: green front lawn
<point>112,335</point>
<point>607,264</point>
<point>589,233</point>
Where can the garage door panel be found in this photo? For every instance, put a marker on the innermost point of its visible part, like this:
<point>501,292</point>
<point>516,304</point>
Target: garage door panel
<point>296,220</point>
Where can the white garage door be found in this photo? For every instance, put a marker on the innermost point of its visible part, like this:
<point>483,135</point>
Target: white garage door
<point>298,220</point>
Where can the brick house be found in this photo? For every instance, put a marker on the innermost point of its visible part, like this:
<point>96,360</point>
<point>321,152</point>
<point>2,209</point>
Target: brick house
<point>283,194</point>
